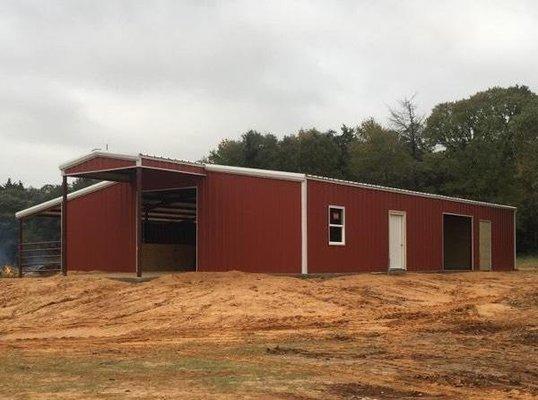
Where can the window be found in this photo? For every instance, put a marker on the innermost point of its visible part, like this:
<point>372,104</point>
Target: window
<point>337,233</point>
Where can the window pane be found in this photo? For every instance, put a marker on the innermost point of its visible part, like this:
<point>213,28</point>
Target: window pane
<point>336,216</point>
<point>335,234</point>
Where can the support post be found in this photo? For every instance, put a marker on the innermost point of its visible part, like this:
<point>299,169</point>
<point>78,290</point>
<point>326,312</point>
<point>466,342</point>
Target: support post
<point>138,220</point>
<point>20,249</point>
<point>64,225</point>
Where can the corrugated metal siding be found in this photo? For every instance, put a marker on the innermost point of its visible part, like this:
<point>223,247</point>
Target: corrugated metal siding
<point>249,224</point>
<point>366,246</point>
<point>158,180</point>
<point>101,230</point>
<point>99,164</point>
<point>254,224</point>
<point>186,168</point>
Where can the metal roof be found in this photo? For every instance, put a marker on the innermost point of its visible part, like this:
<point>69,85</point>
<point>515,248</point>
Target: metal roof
<point>407,192</point>
<point>58,200</point>
<point>262,173</point>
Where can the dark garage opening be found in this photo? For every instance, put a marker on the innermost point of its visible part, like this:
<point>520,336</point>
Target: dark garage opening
<point>457,242</point>
<point>169,230</point>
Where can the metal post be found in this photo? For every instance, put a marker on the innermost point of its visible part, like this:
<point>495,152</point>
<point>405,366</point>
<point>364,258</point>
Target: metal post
<point>138,221</point>
<point>19,254</point>
<point>64,225</point>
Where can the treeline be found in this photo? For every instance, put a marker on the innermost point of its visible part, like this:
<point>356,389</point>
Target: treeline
<point>14,196</point>
<point>483,148</point>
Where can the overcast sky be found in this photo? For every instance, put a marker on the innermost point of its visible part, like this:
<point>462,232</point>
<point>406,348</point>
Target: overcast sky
<point>173,78</point>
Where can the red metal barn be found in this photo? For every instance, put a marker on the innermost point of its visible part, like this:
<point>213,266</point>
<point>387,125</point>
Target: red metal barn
<point>153,213</point>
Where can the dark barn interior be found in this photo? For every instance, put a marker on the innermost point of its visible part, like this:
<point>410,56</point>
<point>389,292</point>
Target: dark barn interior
<point>169,230</point>
<point>457,242</point>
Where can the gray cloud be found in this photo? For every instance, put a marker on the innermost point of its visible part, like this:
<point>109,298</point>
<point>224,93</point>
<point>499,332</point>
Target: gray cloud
<point>174,78</point>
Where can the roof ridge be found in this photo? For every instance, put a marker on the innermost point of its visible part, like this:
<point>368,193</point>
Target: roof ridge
<point>287,175</point>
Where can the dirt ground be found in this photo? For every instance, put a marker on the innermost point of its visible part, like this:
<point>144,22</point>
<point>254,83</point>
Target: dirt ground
<point>254,336</point>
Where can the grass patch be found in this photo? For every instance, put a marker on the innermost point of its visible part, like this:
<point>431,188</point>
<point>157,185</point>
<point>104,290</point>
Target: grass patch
<point>527,262</point>
<point>26,376</point>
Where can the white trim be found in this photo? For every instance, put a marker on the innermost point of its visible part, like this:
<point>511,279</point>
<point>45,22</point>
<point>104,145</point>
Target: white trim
<point>405,191</point>
<point>404,215</point>
<point>147,167</point>
<point>58,200</point>
<point>93,171</point>
<point>260,173</point>
<point>170,170</point>
<point>172,221</point>
<point>63,246</point>
<point>304,227</point>
<point>168,189</point>
<point>342,225</point>
<point>458,215</point>
<point>94,154</point>
<point>443,239</point>
<point>171,160</point>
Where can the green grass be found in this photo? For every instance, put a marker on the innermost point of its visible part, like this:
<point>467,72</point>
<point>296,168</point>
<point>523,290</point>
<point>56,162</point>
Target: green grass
<point>527,262</point>
<point>25,376</point>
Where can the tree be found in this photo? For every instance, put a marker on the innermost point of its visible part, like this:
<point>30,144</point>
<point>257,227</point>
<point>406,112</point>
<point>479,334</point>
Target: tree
<point>253,150</point>
<point>309,151</point>
<point>379,157</point>
<point>484,147</point>
<point>525,128</point>
<point>228,152</point>
<point>14,196</point>
<point>486,151</point>
<point>409,125</point>
<point>475,137</point>
<point>318,153</point>
<point>344,142</point>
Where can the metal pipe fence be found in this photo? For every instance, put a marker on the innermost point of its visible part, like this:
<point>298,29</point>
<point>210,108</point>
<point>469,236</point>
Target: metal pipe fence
<point>40,257</point>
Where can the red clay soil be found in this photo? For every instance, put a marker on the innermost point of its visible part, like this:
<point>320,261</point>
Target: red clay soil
<point>237,335</point>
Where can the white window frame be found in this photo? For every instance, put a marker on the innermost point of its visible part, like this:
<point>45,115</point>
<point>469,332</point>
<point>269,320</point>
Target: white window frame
<point>343,225</point>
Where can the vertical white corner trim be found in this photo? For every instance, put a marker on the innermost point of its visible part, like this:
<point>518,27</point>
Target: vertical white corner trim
<point>304,227</point>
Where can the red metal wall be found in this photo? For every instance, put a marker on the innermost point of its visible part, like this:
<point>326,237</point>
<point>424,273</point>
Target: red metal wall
<point>249,224</point>
<point>159,180</point>
<point>163,164</point>
<point>98,164</point>
<point>254,224</point>
<point>366,215</point>
<point>101,230</point>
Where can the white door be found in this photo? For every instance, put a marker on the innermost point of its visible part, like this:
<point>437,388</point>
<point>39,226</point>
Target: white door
<point>397,240</point>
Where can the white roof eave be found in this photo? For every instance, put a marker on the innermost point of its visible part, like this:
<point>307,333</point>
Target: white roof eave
<point>58,200</point>
<point>407,192</point>
<point>260,173</point>
<point>94,154</point>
